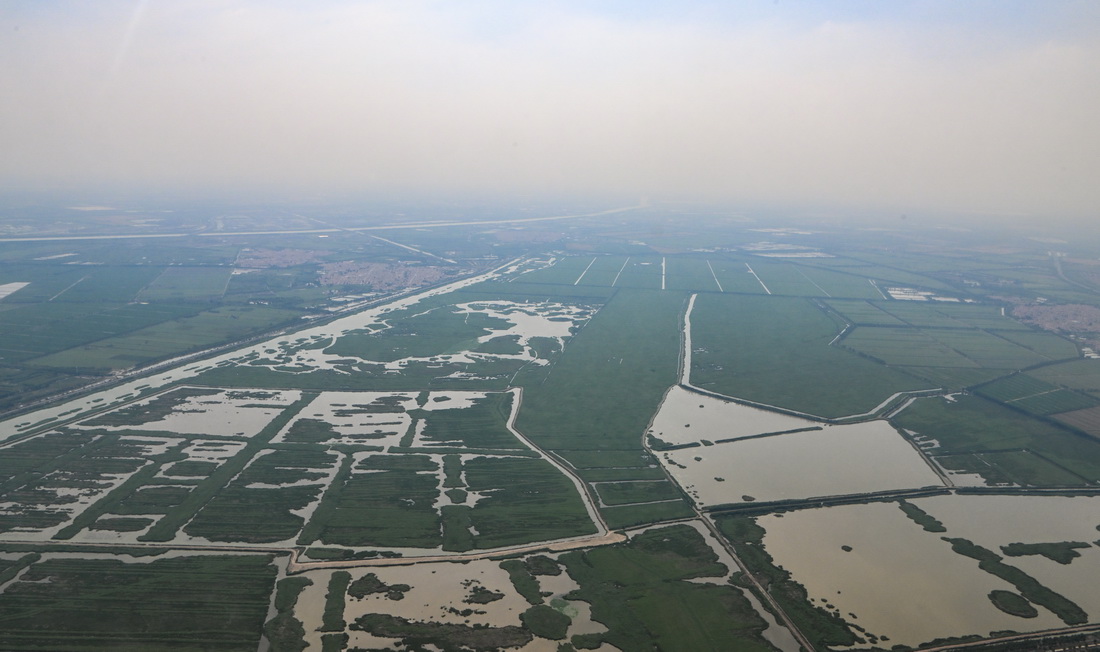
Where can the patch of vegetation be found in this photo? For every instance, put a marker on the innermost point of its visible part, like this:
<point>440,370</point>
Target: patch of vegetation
<point>332,620</point>
<point>241,512</point>
<point>546,622</point>
<point>523,580</point>
<point>11,568</point>
<point>1028,586</point>
<point>972,424</point>
<point>445,636</point>
<point>284,631</point>
<point>334,642</point>
<point>325,509</point>
<point>152,410</point>
<point>165,529</point>
<point>612,375</point>
<point>310,431</point>
<point>481,595</point>
<point>1062,552</point>
<point>481,425</point>
<point>1013,604</point>
<point>921,517</point>
<point>382,508</point>
<point>542,565</point>
<point>369,584</point>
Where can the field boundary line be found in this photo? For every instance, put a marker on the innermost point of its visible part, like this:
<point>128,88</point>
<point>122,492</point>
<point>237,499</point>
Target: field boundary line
<point>758,278</point>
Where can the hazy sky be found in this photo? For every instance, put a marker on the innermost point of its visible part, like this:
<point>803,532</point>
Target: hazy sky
<point>986,107</point>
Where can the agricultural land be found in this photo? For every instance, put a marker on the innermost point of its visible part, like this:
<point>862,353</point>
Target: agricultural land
<point>543,428</point>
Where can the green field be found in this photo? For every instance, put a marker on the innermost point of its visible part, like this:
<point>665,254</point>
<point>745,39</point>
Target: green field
<point>188,284</point>
<point>612,375</point>
<point>940,348</point>
<point>775,350</point>
<point>187,603</point>
<point>864,313</point>
<point>169,338</point>
<point>1083,375</point>
<point>972,424</point>
<point>640,591</point>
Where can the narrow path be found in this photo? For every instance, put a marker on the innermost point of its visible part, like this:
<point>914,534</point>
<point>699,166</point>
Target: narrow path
<point>592,262</point>
<point>613,283</point>
<point>715,277</point>
<point>813,282</point>
<point>80,280</point>
<point>877,288</point>
<point>413,249</point>
<point>758,279</point>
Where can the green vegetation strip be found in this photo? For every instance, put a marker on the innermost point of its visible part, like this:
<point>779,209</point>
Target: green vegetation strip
<point>165,529</point>
<point>333,618</point>
<point>417,635</point>
<point>285,632</point>
<point>327,507</point>
<point>1028,586</point>
<point>1062,552</point>
<point>523,581</point>
<point>921,517</point>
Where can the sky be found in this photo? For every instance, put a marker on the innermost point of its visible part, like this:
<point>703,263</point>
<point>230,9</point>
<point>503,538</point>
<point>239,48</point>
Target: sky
<point>982,108</point>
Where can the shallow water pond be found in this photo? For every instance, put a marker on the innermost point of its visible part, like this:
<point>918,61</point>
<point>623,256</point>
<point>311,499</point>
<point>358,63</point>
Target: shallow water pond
<point>899,580</point>
<point>837,460</point>
<point>687,416</point>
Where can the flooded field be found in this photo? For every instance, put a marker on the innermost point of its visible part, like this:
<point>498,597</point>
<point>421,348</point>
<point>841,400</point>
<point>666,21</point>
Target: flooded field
<point>837,460</point>
<point>379,418</point>
<point>687,417</point>
<point>226,413</point>
<point>863,561</point>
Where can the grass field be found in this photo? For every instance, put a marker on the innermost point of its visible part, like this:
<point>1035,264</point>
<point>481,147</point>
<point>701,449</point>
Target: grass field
<point>972,424</point>
<point>524,500</point>
<point>929,347</point>
<point>864,313</point>
<point>188,284</point>
<point>1083,375</point>
<point>775,350</point>
<point>73,604</point>
<point>40,329</point>
<point>641,591</point>
<point>173,337</point>
<point>612,375</point>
